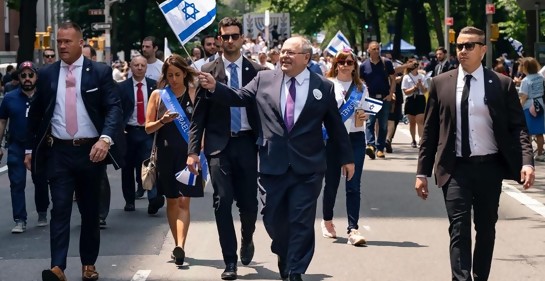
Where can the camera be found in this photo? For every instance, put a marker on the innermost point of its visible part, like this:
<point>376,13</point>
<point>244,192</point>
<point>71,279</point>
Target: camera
<point>415,65</point>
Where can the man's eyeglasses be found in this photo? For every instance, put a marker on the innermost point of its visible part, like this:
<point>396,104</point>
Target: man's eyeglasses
<point>290,53</point>
<point>24,75</point>
<point>49,56</point>
<point>469,46</point>
<point>345,62</point>
<point>226,37</point>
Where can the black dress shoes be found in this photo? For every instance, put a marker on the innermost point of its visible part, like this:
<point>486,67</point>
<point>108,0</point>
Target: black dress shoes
<point>129,207</point>
<point>295,277</point>
<point>178,255</point>
<point>230,272</point>
<point>102,223</point>
<point>139,194</point>
<point>247,250</point>
<point>282,268</point>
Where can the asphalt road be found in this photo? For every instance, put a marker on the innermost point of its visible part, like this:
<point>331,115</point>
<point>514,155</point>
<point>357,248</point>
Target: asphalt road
<point>407,237</point>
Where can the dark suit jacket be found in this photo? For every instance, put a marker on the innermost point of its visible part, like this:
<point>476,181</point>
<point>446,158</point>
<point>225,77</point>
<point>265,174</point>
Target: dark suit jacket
<point>127,90</point>
<point>213,119</point>
<point>303,147</point>
<point>508,124</point>
<point>101,98</point>
<point>445,68</point>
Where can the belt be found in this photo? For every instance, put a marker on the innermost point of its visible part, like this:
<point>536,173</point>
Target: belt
<point>135,127</point>
<point>479,158</point>
<point>74,142</point>
<point>247,133</point>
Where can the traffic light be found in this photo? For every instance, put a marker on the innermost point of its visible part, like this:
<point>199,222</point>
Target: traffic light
<point>101,43</point>
<point>451,36</point>
<point>494,32</point>
<point>47,41</point>
<point>37,43</point>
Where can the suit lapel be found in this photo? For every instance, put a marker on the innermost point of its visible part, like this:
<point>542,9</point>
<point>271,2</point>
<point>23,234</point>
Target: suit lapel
<point>219,71</point>
<point>276,93</point>
<point>489,91</point>
<point>54,84</point>
<point>451,98</point>
<point>85,71</point>
<point>248,72</point>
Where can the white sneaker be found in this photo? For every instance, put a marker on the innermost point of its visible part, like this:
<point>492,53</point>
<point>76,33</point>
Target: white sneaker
<point>328,229</point>
<point>20,227</point>
<point>355,238</point>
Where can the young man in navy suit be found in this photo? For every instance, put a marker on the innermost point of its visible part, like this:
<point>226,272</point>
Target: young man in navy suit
<point>292,104</point>
<point>75,129</point>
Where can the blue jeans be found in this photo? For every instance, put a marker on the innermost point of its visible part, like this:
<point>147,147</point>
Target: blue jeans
<point>333,176</point>
<point>382,117</point>
<point>17,179</point>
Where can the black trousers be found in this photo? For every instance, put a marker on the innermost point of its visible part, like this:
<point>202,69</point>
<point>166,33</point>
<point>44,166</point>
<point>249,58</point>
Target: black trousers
<point>289,214</point>
<point>476,185</point>
<point>139,145</point>
<point>69,169</point>
<point>233,173</point>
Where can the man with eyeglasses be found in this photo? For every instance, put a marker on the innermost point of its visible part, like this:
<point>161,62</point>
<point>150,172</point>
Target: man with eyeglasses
<point>229,145</point>
<point>49,56</point>
<point>475,136</point>
<point>292,103</point>
<point>15,108</point>
<point>211,47</point>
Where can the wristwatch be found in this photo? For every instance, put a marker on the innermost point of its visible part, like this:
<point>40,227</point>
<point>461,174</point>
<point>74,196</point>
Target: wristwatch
<point>106,140</point>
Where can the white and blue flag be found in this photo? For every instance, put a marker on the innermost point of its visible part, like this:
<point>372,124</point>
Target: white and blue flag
<point>337,43</point>
<point>188,17</point>
<point>372,106</point>
<point>186,177</point>
<point>516,45</point>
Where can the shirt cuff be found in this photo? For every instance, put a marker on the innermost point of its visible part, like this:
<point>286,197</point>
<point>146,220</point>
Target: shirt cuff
<point>421,176</point>
<point>107,137</point>
<point>28,151</point>
<point>533,168</point>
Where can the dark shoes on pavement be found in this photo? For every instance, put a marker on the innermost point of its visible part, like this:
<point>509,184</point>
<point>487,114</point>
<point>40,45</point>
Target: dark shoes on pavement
<point>247,250</point>
<point>129,207</point>
<point>54,274</point>
<point>102,223</point>
<point>282,268</point>
<point>139,194</point>
<point>295,277</point>
<point>89,273</point>
<point>155,204</point>
<point>230,272</point>
<point>413,144</point>
<point>388,146</point>
<point>370,151</point>
<point>178,255</point>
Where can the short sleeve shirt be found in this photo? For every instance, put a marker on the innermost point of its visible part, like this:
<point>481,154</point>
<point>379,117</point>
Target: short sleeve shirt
<point>14,108</point>
<point>532,86</point>
<point>376,76</point>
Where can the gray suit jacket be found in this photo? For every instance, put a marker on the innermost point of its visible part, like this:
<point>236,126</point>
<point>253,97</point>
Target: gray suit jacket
<point>303,147</point>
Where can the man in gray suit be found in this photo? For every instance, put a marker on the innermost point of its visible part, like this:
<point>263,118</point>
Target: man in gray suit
<point>292,105</point>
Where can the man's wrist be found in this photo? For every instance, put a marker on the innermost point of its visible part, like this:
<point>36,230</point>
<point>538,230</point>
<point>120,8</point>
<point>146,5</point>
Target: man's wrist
<point>422,176</point>
<point>28,151</point>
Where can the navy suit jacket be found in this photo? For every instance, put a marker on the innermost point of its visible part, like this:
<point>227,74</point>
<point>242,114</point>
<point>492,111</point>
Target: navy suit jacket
<point>302,148</point>
<point>102,102</point>
<point>215,117</point>
<point>126,90</point>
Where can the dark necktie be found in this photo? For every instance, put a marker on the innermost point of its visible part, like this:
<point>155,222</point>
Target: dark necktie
<point>235,111</point>
<point>464,106</point>
<point>289,115</point>
<point>140,115</point>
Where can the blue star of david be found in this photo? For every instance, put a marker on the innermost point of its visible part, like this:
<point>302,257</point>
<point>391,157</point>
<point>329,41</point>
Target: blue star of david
<point>371,107</point>
<point>187,14</point>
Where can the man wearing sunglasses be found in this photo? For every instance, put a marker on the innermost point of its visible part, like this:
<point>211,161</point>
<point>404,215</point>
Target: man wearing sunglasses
<point>49,56</point>
<point>230,147</point>
<point>14,108</point>
<point>476,134</point>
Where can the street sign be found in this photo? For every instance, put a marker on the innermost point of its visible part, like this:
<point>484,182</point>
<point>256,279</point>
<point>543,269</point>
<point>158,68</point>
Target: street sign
<point>449,21</point>
<point>101,26</point>
<point>490,9</point>
<point>96,12</point>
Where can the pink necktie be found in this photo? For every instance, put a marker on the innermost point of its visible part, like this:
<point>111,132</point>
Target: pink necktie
<point>70,113</point>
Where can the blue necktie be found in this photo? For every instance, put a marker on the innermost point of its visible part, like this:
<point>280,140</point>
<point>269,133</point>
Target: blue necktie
<point>235,111</point>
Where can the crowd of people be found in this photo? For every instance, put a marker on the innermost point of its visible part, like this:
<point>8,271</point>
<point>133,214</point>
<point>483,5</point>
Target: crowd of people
<point>292,115</point>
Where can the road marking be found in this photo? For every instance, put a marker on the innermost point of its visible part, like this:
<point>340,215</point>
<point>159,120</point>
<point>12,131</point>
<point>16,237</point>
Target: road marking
<point>524,199</point>
<point>141,275</point>
<point>514,192</point>
<point>3,168</point>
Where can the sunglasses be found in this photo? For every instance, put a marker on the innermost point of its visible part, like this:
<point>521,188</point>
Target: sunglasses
<point>345,62</point>
<point>226,37</point>
<point>469,46</point>
<point>49,56</point>
<point>24,75</point>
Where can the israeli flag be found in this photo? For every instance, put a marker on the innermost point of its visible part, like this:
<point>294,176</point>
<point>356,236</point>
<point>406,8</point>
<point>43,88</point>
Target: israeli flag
<point>372,106</point>
<point>516,45</point>
<point>188,17</point>
<point>186,177</point>
<point>337,43</point>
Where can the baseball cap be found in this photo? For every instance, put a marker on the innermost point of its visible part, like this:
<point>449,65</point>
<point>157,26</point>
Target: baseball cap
<point>26,65</point>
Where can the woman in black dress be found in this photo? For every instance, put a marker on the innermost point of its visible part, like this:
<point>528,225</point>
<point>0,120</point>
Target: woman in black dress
<point>172,148</point>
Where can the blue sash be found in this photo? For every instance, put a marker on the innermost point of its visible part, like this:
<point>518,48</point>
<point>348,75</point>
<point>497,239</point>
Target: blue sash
<point>348,108</point>
<point>182,123</point>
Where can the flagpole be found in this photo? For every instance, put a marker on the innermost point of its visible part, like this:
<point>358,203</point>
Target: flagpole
<point>190,57</point>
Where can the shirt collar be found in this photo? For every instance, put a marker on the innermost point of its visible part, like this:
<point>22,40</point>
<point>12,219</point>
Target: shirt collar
<point>78,62</point>
<point>135,83</point>
<point>238,62</point>
<point>301,77</point>
<point>478,74</point>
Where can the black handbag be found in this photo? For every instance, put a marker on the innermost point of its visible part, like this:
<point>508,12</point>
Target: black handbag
<point>538,107</point>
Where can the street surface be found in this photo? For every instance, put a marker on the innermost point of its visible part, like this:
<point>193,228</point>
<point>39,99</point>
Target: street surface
<point>407,237</point>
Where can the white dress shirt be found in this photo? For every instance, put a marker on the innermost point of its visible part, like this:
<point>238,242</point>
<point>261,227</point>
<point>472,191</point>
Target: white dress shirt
<point>301,90</point>
<point>133,120</point>
<point>341,90</point>
<point>245,125</point>
<point>86,129</point>
<point>481,134</point>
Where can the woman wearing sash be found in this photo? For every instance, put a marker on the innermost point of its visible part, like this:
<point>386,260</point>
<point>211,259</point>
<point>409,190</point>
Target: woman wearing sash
<point>350,94</point>
<point>414,86</point>
<point>166,107</point>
